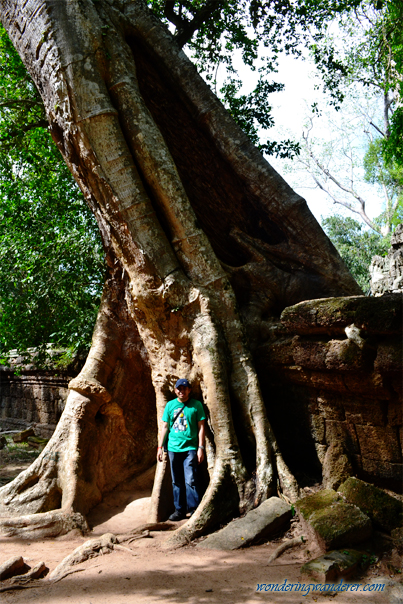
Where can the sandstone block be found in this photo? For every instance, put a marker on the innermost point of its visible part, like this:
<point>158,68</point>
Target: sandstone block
<point>331,406</point>
<point>385,511</point>
<point>337,466</point>
<point>365,412</point>
<point>339,525</point>
<point>378,468</point>
<point>395,414</point>
<point>13,566</point>
<point>333,315</point>
<point>317,501</point>
<point>389,357</point>
<point>370,385</point>
<point>328,381</point>
<point>379,443</point>
<point>297,375</point>
<point>342,432</point>
<point>280,353</point>
<point>266,520</point>
<point>311,355</point>
<point>333,565</point>
<point>21,437</point>
<point>345,355</point>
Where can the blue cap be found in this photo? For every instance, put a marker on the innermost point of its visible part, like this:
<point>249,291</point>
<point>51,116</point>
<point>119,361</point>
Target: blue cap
<point>182,383</point>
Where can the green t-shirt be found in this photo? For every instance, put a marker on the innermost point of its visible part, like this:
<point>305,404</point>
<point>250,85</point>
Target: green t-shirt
<point>183,435</point>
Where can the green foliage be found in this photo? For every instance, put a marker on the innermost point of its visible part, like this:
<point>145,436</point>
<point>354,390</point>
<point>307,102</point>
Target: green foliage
<point>389,175</point>
<point>392,55</point>
<point>356,245</point>
<point>368,49</point>
<point>51,257</point>
<point>393,144</point>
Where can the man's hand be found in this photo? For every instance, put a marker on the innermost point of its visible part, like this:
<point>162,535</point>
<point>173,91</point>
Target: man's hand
<point>161,440</point>
<point>200,455</point>
<point>201,439</point>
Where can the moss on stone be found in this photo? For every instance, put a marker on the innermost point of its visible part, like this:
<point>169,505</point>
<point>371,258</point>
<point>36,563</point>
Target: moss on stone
<point>378,315</point>
<point>340,524</point>
<point>311,504</point>
<point>385,511</point>
<point>334,564</point>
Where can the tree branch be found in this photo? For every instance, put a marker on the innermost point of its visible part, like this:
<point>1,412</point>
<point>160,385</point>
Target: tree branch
<point>173,17</point>
<point>23,129</point>
<point>349,191</point>
<point>347,205</point>
<point>376,128</point>
<point>185,28</point>
<point>11,102</point>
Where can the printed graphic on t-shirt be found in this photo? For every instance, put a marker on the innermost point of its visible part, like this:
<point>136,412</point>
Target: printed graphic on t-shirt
<point>180,424</point>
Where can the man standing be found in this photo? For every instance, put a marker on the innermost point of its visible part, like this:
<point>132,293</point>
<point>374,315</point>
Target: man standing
<point>183,420</point>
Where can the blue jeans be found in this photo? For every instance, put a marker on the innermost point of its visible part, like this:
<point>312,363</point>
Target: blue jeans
<point>184,480</point>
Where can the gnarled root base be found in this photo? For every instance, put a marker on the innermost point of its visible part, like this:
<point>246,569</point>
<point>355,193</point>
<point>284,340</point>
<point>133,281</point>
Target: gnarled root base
<point>47,524</point>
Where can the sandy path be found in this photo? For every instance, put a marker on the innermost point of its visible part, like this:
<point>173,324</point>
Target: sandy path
<point>152,575</point>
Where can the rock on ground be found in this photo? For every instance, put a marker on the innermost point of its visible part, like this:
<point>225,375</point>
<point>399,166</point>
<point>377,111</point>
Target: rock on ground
<point>266,520</point>
<point>11,567</point>
<point>339,525</point>
<point>317,501</point>
<point>385,511</point>
<point>331,566</point>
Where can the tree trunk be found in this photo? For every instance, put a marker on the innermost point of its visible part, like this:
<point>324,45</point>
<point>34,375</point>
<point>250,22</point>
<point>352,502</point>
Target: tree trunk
<point>206,244</point>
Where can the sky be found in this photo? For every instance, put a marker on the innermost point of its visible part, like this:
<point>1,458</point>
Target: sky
<point>290,109</point>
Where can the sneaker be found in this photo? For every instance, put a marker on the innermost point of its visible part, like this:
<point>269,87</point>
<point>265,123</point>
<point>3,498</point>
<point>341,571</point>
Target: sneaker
<point>176,516</point>
<point>190,513</point>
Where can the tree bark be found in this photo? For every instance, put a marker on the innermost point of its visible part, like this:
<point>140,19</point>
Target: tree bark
<point>206,244</point>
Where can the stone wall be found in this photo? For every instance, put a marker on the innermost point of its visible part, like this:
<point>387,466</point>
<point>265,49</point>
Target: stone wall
<point>33,398</point>
<point>332,374</point>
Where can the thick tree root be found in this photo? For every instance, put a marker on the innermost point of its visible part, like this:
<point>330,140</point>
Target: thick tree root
<point>220,502</point>
<point>23,586</point>
<point>140,531</point>
<point>89,549</point>
<point>47,524</point>
<point>284,546</point>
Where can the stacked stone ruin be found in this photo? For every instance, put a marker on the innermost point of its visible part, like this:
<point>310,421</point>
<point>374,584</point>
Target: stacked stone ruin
<point>31,396</point>
<point>387,273</point>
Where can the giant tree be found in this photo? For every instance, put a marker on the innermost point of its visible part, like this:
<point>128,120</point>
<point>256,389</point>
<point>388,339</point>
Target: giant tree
<point>205,245</point>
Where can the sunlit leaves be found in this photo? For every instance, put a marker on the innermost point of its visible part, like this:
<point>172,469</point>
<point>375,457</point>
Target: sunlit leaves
<point>51,257</point>
<point>356,245</point>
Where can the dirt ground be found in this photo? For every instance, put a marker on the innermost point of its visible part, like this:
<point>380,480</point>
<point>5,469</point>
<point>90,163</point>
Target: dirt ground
<point>150,574</point>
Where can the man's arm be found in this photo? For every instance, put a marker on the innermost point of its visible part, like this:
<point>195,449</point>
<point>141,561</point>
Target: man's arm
<point>201,436</point>
<point>160,451</point>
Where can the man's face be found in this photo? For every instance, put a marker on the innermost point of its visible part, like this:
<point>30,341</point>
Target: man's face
<point>183,393</point>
